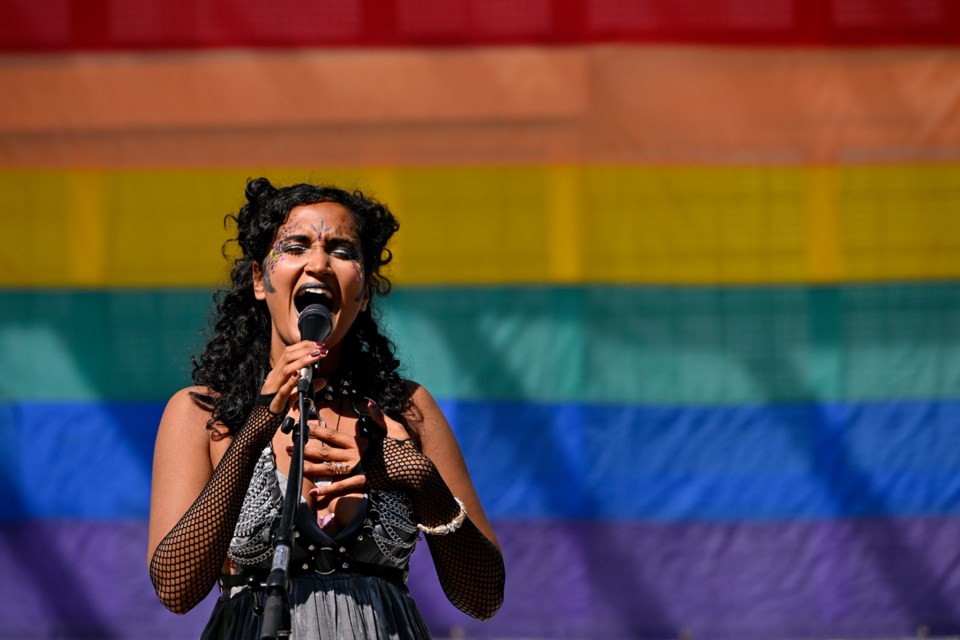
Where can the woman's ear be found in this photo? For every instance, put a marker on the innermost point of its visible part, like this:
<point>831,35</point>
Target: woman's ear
<point>258,290</point>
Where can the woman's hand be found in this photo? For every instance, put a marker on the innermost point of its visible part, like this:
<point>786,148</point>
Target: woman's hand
<point>328,454</point>
<point>393,462</point>
<point>337,455</point>
<point>282,379</point>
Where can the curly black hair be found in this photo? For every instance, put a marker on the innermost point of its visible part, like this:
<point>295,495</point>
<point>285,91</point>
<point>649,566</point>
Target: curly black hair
<point>236,359</point>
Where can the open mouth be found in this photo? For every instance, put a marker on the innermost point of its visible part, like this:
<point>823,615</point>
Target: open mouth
<point>309,294</point>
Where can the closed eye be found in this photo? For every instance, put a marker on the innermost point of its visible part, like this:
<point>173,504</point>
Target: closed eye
<point>346,254</point>
<point>295,244</point>
<point>344,249</point>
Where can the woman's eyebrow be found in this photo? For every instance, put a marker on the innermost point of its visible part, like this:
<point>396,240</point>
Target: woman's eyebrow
<point>343,238</point>
<point>295,237</point>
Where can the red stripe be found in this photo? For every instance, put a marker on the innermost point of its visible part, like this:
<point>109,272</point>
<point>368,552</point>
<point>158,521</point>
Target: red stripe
<point>68,25</point>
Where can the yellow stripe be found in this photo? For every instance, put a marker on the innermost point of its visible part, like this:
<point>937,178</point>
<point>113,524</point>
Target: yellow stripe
<point>565,229</point>
<point>825,255</point>
<point>87,227</point>
<point>510,225</point>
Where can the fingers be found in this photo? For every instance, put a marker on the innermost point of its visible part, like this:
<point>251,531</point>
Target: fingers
<point>318,452</point>
<point>322,440</point>
<point>294,358</point>
<point>326,436</point>
<point>282,379</point>
<point>330,467</point>
<point>388,426</point>
<point>322,459</point>
<point>376,415</point>
<point>286,392</point>
<point>351,484</point>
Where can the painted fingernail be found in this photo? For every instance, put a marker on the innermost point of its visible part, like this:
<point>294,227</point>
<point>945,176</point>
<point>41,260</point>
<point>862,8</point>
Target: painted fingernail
<point>318,352</point>
<point>319,344</point>
<point>324,352</point>
<point>372,404</point>
<point>289,448</point>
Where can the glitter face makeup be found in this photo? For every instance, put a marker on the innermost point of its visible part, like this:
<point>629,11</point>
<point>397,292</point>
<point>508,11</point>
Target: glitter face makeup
<point>318,247</point>
<point>320,230</point>
<point>278,253</point>
<point>269,264</point>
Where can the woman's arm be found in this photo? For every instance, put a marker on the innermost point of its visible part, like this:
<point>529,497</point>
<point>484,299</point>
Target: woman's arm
<point>194,508</point>
<point>468,561</point>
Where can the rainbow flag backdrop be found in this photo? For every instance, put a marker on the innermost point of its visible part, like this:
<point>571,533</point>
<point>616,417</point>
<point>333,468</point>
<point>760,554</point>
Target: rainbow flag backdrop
<point>682,273</point>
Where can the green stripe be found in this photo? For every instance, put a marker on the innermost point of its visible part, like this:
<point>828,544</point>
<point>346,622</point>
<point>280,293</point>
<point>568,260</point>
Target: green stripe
<point>114,345</point>
<point>687,346</point>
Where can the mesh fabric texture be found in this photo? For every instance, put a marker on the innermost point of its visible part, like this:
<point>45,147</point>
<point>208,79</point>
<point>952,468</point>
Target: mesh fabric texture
<point>469,566</point>
<point>188,560</point>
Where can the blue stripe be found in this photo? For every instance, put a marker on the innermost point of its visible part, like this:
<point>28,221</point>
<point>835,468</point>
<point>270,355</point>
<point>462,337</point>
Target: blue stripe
<point>562,461</point>
<point>77,460</point>
<point>720,463</point>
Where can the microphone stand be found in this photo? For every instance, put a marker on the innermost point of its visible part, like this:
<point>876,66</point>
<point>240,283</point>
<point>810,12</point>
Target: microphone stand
<point>276,608</point>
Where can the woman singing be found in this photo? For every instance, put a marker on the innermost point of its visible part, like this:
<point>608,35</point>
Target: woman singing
<point>381,465</point>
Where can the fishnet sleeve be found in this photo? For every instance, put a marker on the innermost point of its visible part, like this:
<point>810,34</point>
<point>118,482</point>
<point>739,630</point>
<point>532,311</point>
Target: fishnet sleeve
<point>188,560</point>
<point>469,566</point>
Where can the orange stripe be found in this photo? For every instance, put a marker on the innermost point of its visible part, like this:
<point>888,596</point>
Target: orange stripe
<point>660,105</point>
<point>245,89</point>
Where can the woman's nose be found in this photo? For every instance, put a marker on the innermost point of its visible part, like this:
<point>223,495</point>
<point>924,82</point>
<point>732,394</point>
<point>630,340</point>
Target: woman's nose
<point>319,260</point>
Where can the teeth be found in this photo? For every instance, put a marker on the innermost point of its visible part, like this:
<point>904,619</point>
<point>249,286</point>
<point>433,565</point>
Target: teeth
<point>314,295</point>
<point>315,291</point>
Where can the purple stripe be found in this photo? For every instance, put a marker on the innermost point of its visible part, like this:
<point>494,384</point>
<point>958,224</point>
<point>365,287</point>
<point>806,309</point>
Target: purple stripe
<point>718,580</point>
<point>564,580</point>
<point>83,579</point>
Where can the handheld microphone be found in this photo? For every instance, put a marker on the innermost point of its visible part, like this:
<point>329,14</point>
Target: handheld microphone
<point>315,324</point>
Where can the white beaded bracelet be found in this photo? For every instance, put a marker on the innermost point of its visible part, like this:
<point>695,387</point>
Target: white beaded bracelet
<point>450,527</point>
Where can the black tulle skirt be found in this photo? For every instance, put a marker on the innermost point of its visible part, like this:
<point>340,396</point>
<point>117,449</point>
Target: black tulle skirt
<point>332,607</point>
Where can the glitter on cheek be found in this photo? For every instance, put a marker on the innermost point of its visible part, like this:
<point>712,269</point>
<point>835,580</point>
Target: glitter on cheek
<point>359,268</point>
<point>269,264</point>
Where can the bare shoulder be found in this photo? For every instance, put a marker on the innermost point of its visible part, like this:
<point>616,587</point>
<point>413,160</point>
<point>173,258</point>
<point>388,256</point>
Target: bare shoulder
<point>187,408</point>
<point>185,423</point>
<point>425,417</point>
<point>418,394</point>
<point>424,414</point>
<point>182,460</point>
